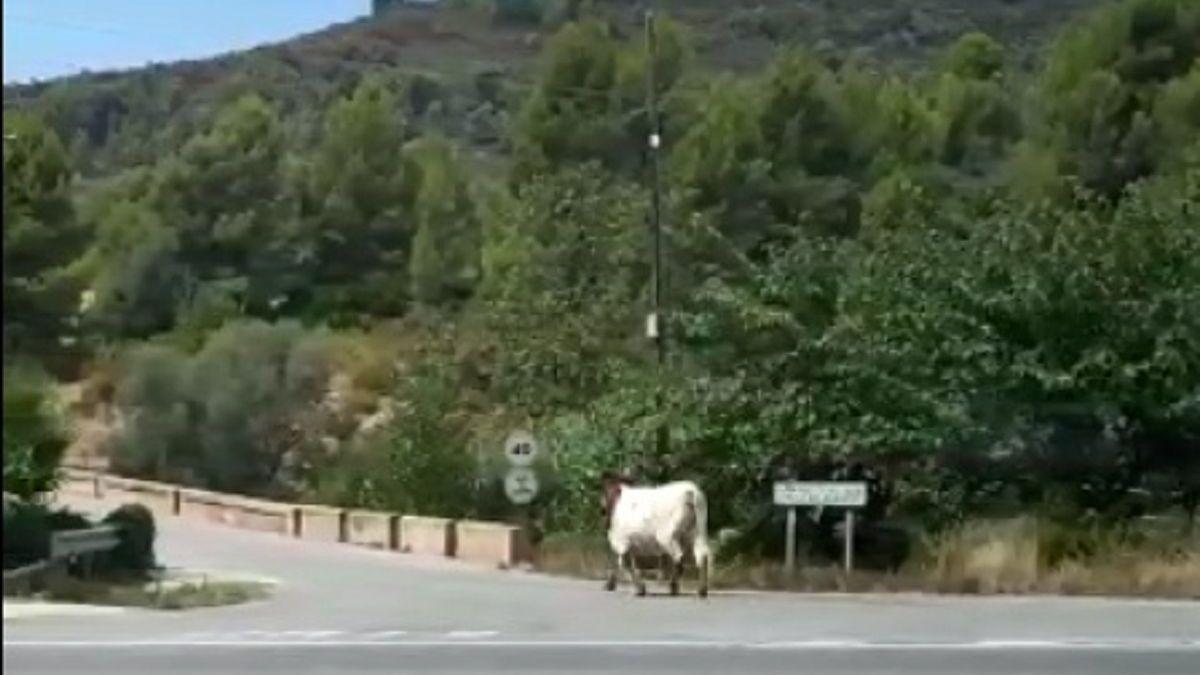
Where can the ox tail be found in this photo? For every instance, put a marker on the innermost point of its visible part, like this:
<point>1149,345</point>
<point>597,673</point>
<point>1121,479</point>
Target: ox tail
<point>701,551</point>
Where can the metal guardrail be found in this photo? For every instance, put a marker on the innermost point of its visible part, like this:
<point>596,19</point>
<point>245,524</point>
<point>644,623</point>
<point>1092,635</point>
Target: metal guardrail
<point>66,547</point>
<point>71,543</point>
<point>30,578</point>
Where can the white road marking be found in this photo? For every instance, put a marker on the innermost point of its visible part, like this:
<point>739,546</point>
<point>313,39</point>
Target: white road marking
<point>322,634</point>
<point>812,645</point>
<point>17,609</point>
<point>260,635</point>
<point>386,634</point>
<point>470,634</point>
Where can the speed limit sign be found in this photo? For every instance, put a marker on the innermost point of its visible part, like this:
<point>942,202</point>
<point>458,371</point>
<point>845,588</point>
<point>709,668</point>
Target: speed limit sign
<point>521,485</point>
<point>521,448</point>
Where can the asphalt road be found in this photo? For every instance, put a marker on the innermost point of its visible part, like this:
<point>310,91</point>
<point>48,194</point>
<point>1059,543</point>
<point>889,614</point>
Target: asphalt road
<point>339,609</point>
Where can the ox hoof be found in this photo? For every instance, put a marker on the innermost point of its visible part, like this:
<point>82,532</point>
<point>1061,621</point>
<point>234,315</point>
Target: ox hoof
<point>641,590</point>
<point>674,588</point>
<point>703,593</point>
<point>610,585</point>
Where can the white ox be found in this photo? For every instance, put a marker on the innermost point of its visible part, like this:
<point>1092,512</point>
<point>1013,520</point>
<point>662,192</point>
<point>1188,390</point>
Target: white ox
<point>667,520</point>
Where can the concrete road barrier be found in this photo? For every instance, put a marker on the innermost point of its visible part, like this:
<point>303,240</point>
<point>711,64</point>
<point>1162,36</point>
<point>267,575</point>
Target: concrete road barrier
<point>79,484</point>
<point>160,498</point>
<point>489,543</point>
<point>495,544</point>
<point>375,529</point>
<point>241,512</point>
<point>319,523</point>
<point>203,505</point>
<point>427,536</point>
<point>259,515</point>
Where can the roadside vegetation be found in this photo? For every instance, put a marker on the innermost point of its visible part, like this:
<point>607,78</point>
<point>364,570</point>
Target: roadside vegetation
<point>34,440</point>
<point>970,276</point>
<point>988,557</point>
<point>151,595</point>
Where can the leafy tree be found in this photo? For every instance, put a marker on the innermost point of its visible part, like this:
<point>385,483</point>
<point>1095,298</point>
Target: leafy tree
<point>572,113</point>
<point>564,271</point>
<point>720,163</point>
<point>815,161</point>
<point>1033,172</point>
<point>588,103</point>
<point>1177,118</point>
<point>34,437</point>
<point>141,279</point>
<point>980,121</point>
<point>355,197</point>
<point>800,115</point>
<point>445,251</point>
<point>966,364</point>
<point>905,198</point>
<point>41,237</point>
<point>906,129</point>
<point>223,197</point>
<point>1101,83</point>
<point>974,56</point>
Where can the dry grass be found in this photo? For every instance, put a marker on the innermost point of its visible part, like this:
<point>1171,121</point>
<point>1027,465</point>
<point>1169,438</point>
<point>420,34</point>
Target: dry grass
<point>985,557</point>
<point>584,556</point>
<point>1157,577</point>
<point>1027,556</point>
<point>148,595</point>
<point>1020,556</point>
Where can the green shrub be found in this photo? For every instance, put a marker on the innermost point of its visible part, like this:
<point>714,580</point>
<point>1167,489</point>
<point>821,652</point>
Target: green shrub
<point>523,12</point>
<point>423,462</point>
<point>225,415</point>
<point>27,530</point>
<point>33,436</point>
<point>419,462</point>
<point>63,520</point>
<point>26,534</point>
<point>135,552</point>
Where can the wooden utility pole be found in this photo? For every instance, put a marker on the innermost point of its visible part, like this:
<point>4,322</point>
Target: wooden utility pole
<point>657,324</point>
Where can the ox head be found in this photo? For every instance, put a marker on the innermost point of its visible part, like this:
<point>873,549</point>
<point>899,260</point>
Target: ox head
<point>612,483</point>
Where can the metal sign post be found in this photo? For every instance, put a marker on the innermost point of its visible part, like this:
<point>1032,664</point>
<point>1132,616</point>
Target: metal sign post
<point>790,556</point>
<point>847,495</point>
<point>521,483</point>
<point>521,449</point>
<point>849,540</point>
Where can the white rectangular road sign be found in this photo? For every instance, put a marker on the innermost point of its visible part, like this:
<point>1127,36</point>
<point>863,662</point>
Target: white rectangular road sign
<point>811,493</point>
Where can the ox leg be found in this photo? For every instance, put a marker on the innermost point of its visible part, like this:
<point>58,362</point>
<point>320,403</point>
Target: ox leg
<point>614,566</point>
<point>676,574</point>
<point>635,575</point>
<point>675,560</point>
<point>703,564</point>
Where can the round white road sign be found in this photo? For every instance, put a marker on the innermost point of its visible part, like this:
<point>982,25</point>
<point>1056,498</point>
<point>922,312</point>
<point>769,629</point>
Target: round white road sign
<point>521,485</point>
<point>521,448</point>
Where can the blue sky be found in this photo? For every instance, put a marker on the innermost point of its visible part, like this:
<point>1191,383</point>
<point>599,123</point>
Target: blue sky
<point>50,38</point>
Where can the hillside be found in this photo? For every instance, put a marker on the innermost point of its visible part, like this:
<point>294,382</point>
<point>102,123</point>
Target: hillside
<point>962,265</point>
<point>466,67</point>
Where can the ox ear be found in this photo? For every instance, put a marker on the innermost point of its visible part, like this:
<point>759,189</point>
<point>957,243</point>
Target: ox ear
<point>610,480</point>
